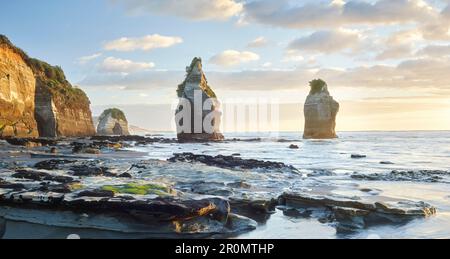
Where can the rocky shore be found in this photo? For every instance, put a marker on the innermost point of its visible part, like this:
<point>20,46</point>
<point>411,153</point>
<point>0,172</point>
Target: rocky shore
<point>98,183</point>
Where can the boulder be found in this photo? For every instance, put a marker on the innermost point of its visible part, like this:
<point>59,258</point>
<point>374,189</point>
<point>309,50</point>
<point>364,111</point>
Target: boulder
<point>112,122</point>
<point>320,112</point>
<point>197,123</point>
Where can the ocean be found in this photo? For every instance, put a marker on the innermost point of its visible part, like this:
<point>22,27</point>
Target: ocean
<point>384,152</point>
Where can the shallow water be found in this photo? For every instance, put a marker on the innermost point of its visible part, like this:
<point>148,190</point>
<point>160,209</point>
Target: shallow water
<point>406,150</point>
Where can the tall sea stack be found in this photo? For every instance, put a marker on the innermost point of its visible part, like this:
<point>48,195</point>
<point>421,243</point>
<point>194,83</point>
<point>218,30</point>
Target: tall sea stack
<point>36,100</point>
<point>320,112</point>
<point>197,117</point>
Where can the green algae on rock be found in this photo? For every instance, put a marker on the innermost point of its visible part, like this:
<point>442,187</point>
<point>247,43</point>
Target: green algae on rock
<point>138,189</point>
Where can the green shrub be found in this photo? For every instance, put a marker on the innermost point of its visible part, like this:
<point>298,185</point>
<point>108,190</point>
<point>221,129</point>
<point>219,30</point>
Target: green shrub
<point>115,113</point>
<point>317,86</point>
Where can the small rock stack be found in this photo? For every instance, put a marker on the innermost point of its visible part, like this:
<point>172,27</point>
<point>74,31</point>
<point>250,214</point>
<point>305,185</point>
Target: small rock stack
<point>320,112</point>
<point>112,122</point>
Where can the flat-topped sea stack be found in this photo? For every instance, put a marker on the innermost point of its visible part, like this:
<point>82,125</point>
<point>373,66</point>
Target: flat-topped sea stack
<point>200,121</point>
<point>36,100</point>
<point>113,122</point>
<point>320,112</point>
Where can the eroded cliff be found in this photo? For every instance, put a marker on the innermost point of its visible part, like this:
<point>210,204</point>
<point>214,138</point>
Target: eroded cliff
<point>37,100</point>
<point>17,93</point>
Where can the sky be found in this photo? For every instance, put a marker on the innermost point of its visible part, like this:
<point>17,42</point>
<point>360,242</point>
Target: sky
<point>386,61</point>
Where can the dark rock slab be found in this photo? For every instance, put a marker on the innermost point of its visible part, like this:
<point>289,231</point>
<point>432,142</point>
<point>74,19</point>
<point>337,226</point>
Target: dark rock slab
<point>13,186</point>
<point>354,213</point>
<point>31,142</point>
<point>231,162</point>
<point>52,164</point>
<point>96,193</point>
<point>430,176</point>
<point>42,176</point>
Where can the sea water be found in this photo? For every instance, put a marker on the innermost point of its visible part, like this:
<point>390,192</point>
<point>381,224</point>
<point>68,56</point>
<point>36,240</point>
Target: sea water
<point>412,150</point>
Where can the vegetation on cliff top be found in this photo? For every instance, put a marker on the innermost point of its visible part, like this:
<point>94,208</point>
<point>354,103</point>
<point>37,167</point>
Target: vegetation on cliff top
<point>204,86</point>
<point>51,78</point>
<point>115,114</point>
<point>317,86</point>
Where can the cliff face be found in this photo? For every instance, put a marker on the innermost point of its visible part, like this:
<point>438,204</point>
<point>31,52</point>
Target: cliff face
<point>17,93</point>
<point>37,100</point>
<point>199,121</point>
<point>320,112</point>
<point>112,122</point>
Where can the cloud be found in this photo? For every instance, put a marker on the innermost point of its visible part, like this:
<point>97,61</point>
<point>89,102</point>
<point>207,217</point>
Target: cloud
<point>117,65</point>
<point>192,9</point>
<point>146,43</point>
<point>421,73</point>
<point>326,41</point>
<point>288,14</point>
<point>87,59</point>
<point>258,43</point>
<point>396,52</point>
<point>233,57</point>
<point>436,51</point>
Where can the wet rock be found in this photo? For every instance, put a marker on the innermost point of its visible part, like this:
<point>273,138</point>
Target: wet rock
<point>31,142</point>
<point>56,188</point>
<point>256,209</point>
<point>353,213</point>
<point>96,193</point>
<point>41,176</point>
<point>132,138</point>
<point>430,176</point>
<point>53,150</point>
<point>52,164</point>
<point>230,162</point>
<point>294,146</point>
<point>223,210</point>
<point>13,186</point>
<point>239,185</point>
<point>320,172</point>
<point>206,188</point>
<point>125,175</point>
<point>93,151</point>
<point>386,163</point>
<point>89,171</point>
<point>356,156</point>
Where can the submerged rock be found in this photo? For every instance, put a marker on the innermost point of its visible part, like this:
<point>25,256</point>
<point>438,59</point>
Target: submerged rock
<point>430,176</point>
<point>320,112</point>
<point>357,156</point>
<point>294,146</point>
<point>112,122</point>
<point>232,162</point>
<point>197,123</point>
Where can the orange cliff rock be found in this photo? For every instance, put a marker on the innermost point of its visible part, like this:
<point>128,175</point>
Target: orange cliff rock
<point>36,100</point>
